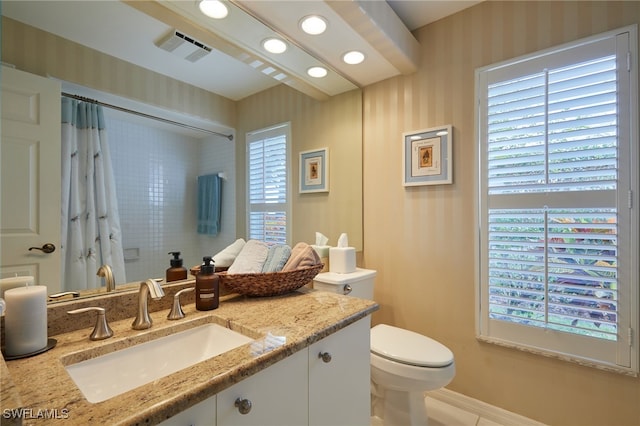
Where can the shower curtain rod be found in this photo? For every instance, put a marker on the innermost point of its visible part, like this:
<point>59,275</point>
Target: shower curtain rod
<point>142,114</point>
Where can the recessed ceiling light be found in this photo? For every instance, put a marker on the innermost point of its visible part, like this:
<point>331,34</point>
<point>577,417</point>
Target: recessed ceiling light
<point>317,72</point>
<point>213,8</point>
<point>274,45</point>
<point>353,58</point>
<point>313,24</point>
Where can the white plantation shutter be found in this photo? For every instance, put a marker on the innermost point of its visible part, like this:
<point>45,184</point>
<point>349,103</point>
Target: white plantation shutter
<point>268,182</point>
<point>557,268</point>
<point>554,130</point>
<point>554,269</point>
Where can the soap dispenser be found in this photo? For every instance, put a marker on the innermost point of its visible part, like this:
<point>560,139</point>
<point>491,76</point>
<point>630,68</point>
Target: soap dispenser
<point>176,271</point>
<point>207,286</point>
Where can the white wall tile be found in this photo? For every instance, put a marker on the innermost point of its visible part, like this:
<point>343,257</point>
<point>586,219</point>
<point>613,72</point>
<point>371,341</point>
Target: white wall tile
<point>156,175</point>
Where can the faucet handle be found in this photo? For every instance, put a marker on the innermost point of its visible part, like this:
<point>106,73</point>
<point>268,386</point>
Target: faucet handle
<point>176,309</point>
<point>63,294</point>
<point>101,330</point>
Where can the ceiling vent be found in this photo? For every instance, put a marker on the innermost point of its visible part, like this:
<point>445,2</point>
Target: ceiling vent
<point>184,46</point>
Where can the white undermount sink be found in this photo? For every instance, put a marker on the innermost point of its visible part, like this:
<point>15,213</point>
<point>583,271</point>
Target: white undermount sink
<point>112,374</point>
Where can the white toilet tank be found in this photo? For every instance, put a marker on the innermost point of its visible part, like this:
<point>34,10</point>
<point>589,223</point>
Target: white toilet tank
<point>358,284</point>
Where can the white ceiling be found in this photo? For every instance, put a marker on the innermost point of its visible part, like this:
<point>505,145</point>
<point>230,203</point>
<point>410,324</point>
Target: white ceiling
<point>237,67</point>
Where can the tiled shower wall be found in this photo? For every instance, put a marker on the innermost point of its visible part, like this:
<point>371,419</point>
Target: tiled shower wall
<point>156,170</point>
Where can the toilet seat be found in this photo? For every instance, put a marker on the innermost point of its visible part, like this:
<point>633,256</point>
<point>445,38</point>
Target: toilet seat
<point>407,347</point>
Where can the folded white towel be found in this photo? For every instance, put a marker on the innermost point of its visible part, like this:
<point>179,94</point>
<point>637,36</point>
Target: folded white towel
<point>251,258</point>
<point>225,258</point>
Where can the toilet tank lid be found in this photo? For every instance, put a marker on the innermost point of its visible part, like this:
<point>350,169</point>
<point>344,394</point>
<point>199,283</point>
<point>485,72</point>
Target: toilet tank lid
<point>408,347</point>
<point>335,278</point>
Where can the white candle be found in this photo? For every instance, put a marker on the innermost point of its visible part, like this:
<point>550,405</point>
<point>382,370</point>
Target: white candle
<point>25,321</point>
<point>13,282</point>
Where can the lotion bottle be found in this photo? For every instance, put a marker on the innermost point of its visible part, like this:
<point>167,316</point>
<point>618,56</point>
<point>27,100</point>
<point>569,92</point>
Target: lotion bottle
<point>207,286</point>
<point>176,271</point>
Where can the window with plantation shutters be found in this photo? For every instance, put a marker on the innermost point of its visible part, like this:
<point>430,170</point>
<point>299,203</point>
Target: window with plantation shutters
<point>558,155</point>
<point>268,182</point>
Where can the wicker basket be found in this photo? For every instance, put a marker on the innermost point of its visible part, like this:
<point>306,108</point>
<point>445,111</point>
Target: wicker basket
<point>269,283</point>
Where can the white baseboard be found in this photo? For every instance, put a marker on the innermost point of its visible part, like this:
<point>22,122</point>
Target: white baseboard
<point>482,409</point>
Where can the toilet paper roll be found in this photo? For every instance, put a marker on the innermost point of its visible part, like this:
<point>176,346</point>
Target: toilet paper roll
<point>342,260</point>
<point>25,320</point>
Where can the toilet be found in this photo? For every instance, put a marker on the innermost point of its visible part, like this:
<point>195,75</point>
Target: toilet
<point>404,364</point>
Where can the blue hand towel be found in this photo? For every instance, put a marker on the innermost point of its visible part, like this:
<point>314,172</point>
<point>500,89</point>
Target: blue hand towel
<point>277,258</point>
<point>209,204</point>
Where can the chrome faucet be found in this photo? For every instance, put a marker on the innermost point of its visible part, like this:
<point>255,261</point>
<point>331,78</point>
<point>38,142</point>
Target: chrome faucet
<point>106,272</point>
<point>147,288</point>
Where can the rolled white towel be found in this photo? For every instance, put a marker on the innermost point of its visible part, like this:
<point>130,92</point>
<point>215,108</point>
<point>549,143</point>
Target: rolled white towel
<point>225,258</point>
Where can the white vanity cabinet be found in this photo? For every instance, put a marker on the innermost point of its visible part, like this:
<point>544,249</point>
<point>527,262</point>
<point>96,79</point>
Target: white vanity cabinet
<point>339,377</point>
<point>276,395</point>
<point>326,384</point>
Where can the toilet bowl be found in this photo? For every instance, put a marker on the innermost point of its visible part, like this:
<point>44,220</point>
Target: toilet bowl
<point>404,364</point>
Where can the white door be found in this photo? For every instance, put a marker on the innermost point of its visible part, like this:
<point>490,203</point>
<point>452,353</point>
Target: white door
<point>30,177</point>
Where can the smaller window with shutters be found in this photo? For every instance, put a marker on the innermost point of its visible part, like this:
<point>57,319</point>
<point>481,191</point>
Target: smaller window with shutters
<point>558,156</point>
<point>268,211</point>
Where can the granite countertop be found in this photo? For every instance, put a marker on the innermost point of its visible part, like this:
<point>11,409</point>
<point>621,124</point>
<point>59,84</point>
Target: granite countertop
<point>41,385</point>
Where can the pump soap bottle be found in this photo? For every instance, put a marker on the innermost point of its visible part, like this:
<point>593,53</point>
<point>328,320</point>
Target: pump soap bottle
<point>176,271</point>
<point>207,286</point>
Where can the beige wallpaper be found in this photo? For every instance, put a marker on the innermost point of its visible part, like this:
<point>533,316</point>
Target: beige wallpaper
<point>45,54</point>
<point>335,124</point>
<point>421,239</point>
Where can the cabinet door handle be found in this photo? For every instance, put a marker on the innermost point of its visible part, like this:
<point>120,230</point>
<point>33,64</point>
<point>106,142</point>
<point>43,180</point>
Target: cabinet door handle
<point>325,356</point>
<point>244,405</point>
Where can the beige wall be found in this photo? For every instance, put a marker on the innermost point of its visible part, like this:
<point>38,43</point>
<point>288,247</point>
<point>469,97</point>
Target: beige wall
<point>45,54</point>
<point>335,124</point>
<point>421,240</point>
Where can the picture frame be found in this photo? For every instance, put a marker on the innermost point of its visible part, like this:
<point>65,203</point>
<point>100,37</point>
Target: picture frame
<point>427,158</point>
<point>314,171</point>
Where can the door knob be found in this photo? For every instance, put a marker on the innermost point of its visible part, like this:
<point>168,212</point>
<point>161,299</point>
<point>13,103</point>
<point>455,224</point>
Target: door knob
<point>46,248</point>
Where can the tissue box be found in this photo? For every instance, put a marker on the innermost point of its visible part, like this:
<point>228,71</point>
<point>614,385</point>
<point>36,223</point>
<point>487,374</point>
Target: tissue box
<point>342,260</point>
<point>323,252</point>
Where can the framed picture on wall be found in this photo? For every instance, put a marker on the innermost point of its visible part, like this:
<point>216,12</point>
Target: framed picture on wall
<point>427,157</point>
<point>314,171</point>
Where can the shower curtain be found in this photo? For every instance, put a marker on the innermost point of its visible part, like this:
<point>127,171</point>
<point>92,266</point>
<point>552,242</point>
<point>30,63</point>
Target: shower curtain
<point>91,233</point>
